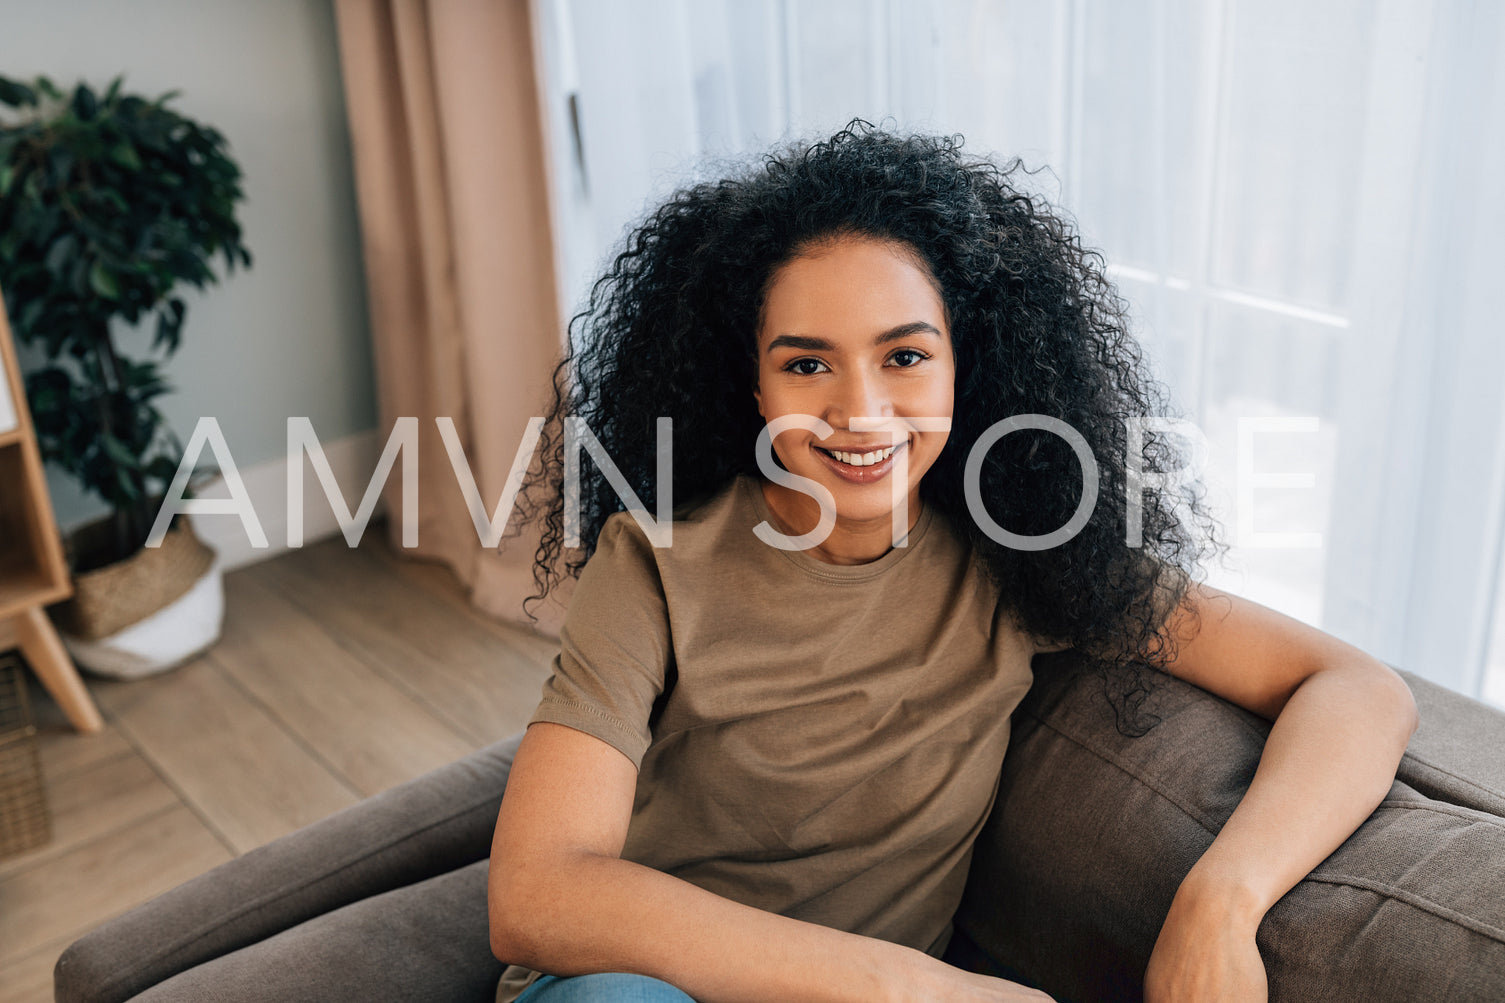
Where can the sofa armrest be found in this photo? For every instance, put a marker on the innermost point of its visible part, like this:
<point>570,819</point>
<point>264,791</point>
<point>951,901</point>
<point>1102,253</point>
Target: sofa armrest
<point>425,827</point>
<point>1092,833</point>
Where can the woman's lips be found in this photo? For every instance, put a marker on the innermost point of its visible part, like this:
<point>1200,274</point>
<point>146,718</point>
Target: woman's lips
<point>860,475</point>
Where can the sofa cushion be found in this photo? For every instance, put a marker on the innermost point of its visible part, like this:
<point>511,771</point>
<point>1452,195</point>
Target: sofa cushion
<point>1093,831</point>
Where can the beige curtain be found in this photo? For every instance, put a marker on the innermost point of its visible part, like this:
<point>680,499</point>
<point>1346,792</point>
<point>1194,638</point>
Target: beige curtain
<point>451,176</point>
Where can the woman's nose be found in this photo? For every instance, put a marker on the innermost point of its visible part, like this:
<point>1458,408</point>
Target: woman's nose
<point>858,396</point>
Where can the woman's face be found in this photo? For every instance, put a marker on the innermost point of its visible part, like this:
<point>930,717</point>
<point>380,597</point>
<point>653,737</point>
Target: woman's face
<point>856,329</point>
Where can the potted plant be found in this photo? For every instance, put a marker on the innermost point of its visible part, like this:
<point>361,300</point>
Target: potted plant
<point>108,204</point>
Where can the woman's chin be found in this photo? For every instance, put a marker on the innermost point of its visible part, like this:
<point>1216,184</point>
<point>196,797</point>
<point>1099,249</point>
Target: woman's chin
<point>857,504</point>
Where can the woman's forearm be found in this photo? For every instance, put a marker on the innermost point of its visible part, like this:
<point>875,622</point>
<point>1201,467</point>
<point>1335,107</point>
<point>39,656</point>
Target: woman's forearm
<point>592,913</point>
<point>1328,762</point>
<point>561,900</point>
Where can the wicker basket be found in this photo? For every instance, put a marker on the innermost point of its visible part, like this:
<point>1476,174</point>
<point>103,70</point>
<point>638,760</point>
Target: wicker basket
<point>111,598</point>
<point>25,822</point>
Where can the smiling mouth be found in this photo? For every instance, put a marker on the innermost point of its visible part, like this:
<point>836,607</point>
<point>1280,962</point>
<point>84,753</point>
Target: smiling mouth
<point>867,459</point>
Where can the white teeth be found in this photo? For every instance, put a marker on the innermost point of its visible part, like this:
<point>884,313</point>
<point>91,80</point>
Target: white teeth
<point>863,459</point>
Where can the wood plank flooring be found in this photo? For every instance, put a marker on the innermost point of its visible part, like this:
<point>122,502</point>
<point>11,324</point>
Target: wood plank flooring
<point>341,672</point>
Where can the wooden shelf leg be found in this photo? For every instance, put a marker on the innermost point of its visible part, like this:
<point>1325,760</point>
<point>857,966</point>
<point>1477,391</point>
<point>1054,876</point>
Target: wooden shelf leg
<point>44,650</point>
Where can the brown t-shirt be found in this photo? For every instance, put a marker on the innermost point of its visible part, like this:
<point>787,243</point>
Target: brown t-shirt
<point>821,741</point>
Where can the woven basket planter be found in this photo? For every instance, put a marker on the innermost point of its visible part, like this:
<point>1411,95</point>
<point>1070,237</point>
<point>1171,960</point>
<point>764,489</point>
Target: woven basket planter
<point>25,822</point>
<point>145,614</point>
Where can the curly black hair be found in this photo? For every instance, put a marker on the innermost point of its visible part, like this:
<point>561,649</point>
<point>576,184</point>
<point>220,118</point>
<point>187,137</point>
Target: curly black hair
<point>670,330</point>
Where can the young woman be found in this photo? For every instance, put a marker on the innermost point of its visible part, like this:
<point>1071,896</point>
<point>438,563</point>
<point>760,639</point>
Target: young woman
<point>770,738</point>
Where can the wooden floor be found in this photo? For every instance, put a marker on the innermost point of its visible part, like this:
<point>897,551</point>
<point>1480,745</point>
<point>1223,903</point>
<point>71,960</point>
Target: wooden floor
<point>341,673</point>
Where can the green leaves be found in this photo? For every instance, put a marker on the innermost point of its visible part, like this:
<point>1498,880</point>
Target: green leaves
<point>124,154</point>
<point>14,94</point>
<point>62,254</point>
<point>169,326</point>
<point>109,203</point>
<point>85,104</point>
<point>116,450</point>
<point>102,282</point>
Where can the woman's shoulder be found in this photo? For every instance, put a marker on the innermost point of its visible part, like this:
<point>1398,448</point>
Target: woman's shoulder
<point>1006,616</point>
<point>712,524</point>
<point>705,502</point>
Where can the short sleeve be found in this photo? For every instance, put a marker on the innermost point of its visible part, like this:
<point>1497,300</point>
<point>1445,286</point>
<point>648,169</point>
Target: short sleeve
<point>615,651</point>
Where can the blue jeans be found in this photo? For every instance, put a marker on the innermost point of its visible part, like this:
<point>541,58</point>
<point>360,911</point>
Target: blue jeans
<point>607,987</point>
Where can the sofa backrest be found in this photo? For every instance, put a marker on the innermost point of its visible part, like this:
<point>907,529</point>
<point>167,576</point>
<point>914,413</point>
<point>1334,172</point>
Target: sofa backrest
<point>1093,831</point>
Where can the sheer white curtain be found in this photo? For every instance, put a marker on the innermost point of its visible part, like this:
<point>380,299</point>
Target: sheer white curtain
<point>1300,198</point>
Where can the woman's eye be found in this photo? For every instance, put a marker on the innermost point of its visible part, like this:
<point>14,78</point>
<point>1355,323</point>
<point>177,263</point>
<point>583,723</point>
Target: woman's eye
<point>907,357</point>
<point>805,367</point>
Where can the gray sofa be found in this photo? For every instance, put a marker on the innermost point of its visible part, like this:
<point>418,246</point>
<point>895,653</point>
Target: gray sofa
<point>1090,836</point>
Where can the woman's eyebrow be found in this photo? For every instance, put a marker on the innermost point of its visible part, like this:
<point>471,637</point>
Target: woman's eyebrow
<point>814,344</point>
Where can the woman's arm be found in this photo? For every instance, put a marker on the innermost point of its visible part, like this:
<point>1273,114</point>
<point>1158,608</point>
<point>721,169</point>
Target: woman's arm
<point>1341,723</point>
<point>562,900</point>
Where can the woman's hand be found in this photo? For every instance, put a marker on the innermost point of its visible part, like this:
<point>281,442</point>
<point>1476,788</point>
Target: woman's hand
<point>1206,951</point>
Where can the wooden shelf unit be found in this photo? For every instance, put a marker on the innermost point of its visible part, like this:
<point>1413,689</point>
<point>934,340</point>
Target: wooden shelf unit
<point>33,571</point>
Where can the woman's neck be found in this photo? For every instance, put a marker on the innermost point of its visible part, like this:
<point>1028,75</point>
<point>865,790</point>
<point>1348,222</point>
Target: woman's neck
<point>851,541</point>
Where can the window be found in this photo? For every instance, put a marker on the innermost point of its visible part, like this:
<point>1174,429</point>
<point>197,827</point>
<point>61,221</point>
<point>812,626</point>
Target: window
<point>1295,197</point>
